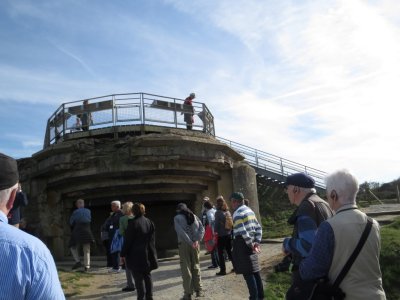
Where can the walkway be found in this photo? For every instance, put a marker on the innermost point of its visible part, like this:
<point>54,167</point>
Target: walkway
<point>168,282</point>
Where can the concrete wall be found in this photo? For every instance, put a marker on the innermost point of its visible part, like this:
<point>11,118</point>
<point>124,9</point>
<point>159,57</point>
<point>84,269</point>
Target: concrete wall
<point>159,170</point>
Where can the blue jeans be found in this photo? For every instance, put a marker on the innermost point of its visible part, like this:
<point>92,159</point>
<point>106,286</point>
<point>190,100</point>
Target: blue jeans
<point>255,286</point>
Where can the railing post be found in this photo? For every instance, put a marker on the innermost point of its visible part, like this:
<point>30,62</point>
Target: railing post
<point>256,158</point>
<point>64,120</point>
<point>142,110</point>
<point>114,110</point>
<point>282,173</point>
<point>175,115</point>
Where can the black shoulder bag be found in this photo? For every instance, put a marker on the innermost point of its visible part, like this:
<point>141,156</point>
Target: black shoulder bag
<point>323,290</point>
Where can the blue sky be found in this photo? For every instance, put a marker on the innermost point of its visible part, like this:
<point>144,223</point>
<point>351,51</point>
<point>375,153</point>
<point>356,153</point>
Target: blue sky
<point>312,81</point>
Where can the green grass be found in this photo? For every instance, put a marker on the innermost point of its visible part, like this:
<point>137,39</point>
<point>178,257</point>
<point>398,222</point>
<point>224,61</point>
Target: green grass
<point>73,282</point>
<point>390,255</point>
<point>276,226</point>
<point>277,285</point>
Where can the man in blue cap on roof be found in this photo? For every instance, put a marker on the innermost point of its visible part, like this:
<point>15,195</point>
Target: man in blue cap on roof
<point>310,212</point>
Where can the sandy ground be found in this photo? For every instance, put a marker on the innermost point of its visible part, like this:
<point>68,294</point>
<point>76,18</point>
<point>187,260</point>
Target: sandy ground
<point>168,282</point>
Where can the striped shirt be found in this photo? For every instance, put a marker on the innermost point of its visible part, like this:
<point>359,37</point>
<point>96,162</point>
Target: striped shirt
<point>27,268</point>
<point>245,224</point>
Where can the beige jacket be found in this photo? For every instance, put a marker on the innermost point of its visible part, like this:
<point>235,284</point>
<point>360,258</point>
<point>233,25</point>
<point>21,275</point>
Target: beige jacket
<point>364,279</point>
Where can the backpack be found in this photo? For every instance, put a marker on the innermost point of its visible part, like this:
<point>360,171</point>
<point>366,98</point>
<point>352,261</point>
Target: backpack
<point>228,221</point>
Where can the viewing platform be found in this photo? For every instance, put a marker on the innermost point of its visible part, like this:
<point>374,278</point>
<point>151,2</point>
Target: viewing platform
<point>135,114</point>
<point>123,114</point>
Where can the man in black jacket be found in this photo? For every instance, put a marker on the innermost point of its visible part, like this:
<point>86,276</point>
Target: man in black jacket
<point>310,212</point>
<point>14,216</point>
<point>139,251</point>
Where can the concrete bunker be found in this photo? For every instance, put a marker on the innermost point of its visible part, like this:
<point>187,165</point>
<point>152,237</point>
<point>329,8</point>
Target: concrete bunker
<point>135,149</point>
<point>157,169</point>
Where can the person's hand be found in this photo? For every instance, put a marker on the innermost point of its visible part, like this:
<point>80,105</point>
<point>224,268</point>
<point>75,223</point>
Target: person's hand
<point>285,242</point>
<point>195,245</point>
<point>256,248</point>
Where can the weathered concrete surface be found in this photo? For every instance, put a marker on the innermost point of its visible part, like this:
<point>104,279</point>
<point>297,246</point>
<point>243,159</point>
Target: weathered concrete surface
<point>158,169</point>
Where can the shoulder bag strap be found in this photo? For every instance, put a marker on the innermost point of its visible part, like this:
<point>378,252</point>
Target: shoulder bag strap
<point>355,253</point>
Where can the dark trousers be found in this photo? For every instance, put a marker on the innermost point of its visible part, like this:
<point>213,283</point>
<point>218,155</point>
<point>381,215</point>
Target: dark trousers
<point>224,243</point>
<point>214,257</point>
<point>144,285</point>
<point>255,286</point>
<point>189,126</point>
<point>115,260</point>
<point>107,245</point>
<point>300,289</point>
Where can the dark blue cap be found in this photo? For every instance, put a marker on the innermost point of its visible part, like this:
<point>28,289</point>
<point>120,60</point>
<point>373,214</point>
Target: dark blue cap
<point>301,180</point>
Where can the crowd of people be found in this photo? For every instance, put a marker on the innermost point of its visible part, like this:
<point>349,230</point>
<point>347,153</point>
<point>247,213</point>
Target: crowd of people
<point>331,239</point>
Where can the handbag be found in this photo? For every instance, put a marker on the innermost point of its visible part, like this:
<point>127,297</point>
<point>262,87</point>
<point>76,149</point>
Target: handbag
<point>210,239</point>
<point>117,242</point>
<point>323,290</point>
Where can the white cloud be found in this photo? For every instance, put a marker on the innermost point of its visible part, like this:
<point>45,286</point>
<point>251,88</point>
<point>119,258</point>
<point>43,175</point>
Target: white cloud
<point>315,82</point>
<point>345,92</point>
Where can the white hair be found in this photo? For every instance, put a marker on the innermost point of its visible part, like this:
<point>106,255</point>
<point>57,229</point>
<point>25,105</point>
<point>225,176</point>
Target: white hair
<point>345,184</point>
<point>117,203</point>
<point>5,194</point>
<point>308,190</point>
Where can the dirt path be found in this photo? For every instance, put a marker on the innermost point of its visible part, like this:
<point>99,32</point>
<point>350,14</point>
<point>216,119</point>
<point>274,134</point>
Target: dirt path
<point>168,282</point>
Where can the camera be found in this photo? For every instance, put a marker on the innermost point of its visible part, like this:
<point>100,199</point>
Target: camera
<point>284,265</point>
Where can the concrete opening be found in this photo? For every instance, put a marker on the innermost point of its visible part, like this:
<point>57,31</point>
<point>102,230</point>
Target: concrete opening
<point>160,208</point>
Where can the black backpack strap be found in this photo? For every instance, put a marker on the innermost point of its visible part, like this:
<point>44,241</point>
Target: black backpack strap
<point>355,253</point>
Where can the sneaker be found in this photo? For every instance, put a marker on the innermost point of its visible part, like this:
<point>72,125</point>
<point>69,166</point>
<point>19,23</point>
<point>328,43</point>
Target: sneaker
<point>186,297</point>
<point>212,267</point>
<point>76,265</point>
<point>221,273</point>
<point>112,270</point>
<point>128,289</point>
<point>199,294</point>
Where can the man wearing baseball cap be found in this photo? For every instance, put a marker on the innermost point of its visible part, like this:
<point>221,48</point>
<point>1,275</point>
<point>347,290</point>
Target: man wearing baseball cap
<point>27,268</point>
<point>310,212</point>
<point>247,233</point>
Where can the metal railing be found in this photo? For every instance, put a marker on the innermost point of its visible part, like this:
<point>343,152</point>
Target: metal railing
<point>275,164</point>
<point>149,109</point>
<point>126,109</point>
